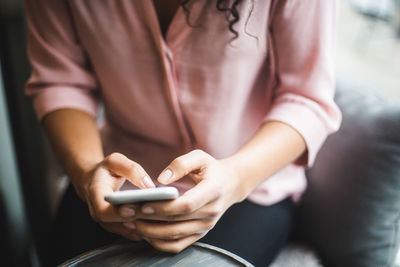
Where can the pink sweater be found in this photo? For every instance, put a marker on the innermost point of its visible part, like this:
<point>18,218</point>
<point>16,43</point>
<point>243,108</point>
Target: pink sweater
<point>196,89</point>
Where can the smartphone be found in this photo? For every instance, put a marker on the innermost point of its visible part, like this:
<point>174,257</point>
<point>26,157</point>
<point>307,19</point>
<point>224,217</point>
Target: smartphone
<point>142,195</point>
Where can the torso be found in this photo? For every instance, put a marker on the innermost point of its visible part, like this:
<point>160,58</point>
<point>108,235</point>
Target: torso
<point>158,97</point>
<point>165,12</point>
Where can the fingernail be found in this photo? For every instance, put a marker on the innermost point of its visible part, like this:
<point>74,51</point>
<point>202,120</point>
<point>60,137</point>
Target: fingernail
<point>147,239</point>
<point>130,225</point>
<point>127,212</point>
<point>148,182</point>
<point>148,210</point>
<point>165,176</point>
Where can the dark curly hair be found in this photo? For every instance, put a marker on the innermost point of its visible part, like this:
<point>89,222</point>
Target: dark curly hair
<point>223,6</point>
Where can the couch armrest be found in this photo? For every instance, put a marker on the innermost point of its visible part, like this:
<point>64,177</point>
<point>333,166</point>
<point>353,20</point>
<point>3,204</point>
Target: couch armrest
<point>351,210</point>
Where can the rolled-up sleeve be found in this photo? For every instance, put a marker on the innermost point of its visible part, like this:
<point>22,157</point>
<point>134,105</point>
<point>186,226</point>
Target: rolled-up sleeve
<point>61,76</point>
<point>303,35</point>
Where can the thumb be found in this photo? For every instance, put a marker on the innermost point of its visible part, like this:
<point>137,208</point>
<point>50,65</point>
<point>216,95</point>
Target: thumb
<point>183,165</point>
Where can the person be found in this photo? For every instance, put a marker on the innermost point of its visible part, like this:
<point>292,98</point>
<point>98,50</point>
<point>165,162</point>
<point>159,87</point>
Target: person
<point>229,101</point>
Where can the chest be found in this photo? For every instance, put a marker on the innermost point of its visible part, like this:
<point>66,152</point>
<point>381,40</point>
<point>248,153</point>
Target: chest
<point>127,32</point>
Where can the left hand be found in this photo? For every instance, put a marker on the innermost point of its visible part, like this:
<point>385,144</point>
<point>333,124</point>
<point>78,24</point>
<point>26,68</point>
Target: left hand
<point>174,225</point>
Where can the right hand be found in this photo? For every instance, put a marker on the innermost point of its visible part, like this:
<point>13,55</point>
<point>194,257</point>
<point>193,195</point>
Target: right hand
<point>106,177</point>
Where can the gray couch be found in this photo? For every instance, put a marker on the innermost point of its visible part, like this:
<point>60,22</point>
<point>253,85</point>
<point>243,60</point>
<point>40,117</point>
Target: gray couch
<point>350,213</point>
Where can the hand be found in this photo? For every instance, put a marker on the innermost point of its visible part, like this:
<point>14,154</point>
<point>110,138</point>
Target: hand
<point>174,225</point>
<point>108,176</point>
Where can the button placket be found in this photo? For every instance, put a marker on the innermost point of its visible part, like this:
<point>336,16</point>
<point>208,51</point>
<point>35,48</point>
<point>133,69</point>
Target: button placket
<point>173,92</point>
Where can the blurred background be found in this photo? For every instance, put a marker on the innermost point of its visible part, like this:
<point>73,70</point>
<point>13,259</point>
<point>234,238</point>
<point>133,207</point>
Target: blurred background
<point>368,44</point>
<point>368,53</point>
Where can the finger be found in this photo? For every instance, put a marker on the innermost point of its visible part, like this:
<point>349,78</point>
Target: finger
<point>101,210</point>
<point>183,165</point>
<point>193,199</point>
<point>208,211</point>
<point>174,246</point>
<point>120,229</point>
<point>132,171</point>
<point>172,230</point>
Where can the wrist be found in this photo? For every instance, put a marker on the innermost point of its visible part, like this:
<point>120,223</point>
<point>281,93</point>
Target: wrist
<point>249,170</point>
<point>81,176</point>
<point>237,179</point>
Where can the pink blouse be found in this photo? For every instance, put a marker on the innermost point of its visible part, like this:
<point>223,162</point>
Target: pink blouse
<point>196,88</point>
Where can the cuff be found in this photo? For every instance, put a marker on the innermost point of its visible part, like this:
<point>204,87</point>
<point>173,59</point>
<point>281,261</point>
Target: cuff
<point>59,97</point>
<point>308,118</point>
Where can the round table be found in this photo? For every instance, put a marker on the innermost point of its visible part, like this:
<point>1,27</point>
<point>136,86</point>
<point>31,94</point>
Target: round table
<point>142,254</point>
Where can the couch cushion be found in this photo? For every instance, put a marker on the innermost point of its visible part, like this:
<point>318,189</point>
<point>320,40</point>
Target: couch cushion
<point>296,255</point>
<point>351,210</point>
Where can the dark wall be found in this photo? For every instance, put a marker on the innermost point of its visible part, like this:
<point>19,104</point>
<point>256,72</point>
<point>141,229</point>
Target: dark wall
<point>15,241</point>
<point>27,136</point>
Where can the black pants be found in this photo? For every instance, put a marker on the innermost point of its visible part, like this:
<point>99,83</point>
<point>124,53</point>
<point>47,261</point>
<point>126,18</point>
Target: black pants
<point>254,232</point>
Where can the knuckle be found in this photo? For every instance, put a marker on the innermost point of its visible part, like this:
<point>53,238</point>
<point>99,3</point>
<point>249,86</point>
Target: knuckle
<point>213,213</point>
<point>179,248</point>
<point>187,206</point>
<point>209,224</point>
<point>175,234</point>
<point>113,157</point>
<point>201,153</point>
<point>179,163</point>
<point>133,167</point>
<point>158,246</point>
<point>175,248</point>
<point>198,151</point>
